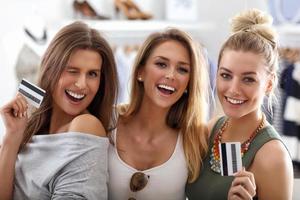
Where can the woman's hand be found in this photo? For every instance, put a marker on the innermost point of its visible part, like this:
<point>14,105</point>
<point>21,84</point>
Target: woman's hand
<point>14,115</point>
<point>243,186</point>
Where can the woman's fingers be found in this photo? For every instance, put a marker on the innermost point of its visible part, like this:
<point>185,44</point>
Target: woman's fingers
<point>19,106</point>
<point>249,175</point>
<point>16,107</point>
<point>243,186</point>
<point>246,183</point>
<point>235,197</point>
<point>24,104</point>
<point>239,192</point>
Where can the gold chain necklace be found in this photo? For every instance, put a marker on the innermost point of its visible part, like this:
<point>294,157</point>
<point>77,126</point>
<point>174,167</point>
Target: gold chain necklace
<point>215,154</point>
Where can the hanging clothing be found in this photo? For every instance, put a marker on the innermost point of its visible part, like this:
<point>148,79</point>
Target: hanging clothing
<point>290,83</point>
<point>27,65</point>
<point>124,60</point>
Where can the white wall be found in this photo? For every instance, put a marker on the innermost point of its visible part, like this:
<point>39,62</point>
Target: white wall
<point>13,14</point>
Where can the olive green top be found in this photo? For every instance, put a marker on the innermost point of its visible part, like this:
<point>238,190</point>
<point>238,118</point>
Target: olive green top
<point>211,185</point>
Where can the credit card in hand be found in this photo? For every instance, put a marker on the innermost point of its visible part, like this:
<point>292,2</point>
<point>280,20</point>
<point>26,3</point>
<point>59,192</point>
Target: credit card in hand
<point>33,94</point>
<point>230,158</point>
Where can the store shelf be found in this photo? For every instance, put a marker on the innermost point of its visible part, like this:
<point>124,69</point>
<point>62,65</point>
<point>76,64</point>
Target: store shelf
<point>134,31</point>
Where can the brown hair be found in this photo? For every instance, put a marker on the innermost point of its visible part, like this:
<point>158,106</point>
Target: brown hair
<point>188,113</point>
<point>252,32</point>
<point>70,38</point>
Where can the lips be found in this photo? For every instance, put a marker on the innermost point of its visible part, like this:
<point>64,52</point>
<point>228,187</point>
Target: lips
<point>234,101</point>
<point>166,89</point>
<point>74,96</point>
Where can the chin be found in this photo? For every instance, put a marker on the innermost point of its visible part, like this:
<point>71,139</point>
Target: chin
<point>234,115</point>
<point>73,112</point>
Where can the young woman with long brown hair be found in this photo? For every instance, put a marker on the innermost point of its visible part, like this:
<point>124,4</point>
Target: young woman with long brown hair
<point>56,152</point>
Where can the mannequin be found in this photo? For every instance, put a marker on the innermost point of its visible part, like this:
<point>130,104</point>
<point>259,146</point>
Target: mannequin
<point>124,59</point>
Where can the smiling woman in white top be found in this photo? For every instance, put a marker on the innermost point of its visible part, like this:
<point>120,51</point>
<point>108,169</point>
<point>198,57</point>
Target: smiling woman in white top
<point>161,137</point>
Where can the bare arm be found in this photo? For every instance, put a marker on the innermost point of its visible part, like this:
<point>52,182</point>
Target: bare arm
<point>8,155</point>
<point>15,118</point>
<point>273,171</point>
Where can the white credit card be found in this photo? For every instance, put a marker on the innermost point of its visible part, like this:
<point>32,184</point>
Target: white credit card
<point>230,158</point>
<point>33,94</point>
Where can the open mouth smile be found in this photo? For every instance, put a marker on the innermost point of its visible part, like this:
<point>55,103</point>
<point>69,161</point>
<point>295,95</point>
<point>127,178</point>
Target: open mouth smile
<point>234,101</point>
<point>165,89</point>
<point>75,96</point>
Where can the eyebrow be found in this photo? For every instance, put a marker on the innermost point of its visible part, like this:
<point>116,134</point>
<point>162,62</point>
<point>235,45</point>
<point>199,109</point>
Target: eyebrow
<point>164,58</point>
<point>72,67</point>
<point>244,73</point>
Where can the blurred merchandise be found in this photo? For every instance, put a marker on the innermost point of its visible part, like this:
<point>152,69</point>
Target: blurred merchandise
<point>84,10</point>
<point>131,10</point>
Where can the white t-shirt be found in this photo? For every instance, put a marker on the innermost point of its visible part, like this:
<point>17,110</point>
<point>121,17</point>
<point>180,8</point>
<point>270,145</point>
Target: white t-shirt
<point>167,181</point>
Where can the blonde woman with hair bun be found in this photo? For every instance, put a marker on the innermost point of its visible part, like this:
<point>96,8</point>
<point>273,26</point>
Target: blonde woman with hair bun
<point>247,67</point>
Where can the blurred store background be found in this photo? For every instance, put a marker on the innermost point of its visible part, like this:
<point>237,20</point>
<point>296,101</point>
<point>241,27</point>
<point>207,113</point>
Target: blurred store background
<point>27,26</point>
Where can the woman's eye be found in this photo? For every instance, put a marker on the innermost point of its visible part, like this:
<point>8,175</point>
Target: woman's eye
<point>249,79</point>
<point>93,74</point>
<point>183,70</point>
<point>225,76</point>
<point>161,64</point>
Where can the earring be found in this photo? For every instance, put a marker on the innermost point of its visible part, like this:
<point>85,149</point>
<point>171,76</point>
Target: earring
<point>140,79</point>
<point>185,91</point>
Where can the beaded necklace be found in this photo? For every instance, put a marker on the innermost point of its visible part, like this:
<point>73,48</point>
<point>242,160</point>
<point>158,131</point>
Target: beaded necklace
<point>215,154</point>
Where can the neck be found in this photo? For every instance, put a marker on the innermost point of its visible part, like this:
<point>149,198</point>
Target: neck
<point>59,121</point>
<point>240,129</point>
<point>247,119</point>
<point>151,120</point>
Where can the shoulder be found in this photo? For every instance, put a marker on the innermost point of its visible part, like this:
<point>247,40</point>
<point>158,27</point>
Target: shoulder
<point>272,154</point>
<point>211,123</point>
<point>87,123</point>
<point>272,167</point>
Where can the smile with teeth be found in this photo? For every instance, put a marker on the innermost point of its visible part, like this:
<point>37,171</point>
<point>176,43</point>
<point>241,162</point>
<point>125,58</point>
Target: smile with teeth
<point>75,95</point>
<point>166,88</point>
<point>234,101</point>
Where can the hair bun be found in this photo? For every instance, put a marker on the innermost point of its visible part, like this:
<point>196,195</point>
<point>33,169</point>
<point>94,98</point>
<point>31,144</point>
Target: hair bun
<point>250,19</point>
<point>255,21</point>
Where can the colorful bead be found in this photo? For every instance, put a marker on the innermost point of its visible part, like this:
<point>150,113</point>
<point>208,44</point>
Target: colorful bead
<point>215,154</point>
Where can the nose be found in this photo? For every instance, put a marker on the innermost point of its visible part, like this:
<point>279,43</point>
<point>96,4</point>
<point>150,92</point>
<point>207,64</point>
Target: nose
<point>170,74</point>
<point>81,82</point>
<point>234,88</point>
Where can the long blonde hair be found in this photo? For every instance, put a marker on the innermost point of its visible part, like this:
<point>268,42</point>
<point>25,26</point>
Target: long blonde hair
<point>70,38</point>
<point>252,32</point>
<point>188,113</point>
